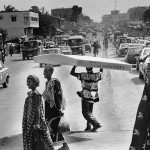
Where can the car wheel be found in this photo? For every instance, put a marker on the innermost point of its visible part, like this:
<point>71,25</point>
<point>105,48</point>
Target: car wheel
<point>137,67</point>
<point>5,84</point>
<point>41,65</point>
<point>140,75</point>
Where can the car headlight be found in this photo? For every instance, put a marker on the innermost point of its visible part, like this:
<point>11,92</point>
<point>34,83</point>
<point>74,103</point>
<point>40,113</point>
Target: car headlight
<point>80,48</point>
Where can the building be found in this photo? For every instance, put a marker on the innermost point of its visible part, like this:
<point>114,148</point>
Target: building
<point>115,17</point>
<point>19,23</point>
<point>62,12</point>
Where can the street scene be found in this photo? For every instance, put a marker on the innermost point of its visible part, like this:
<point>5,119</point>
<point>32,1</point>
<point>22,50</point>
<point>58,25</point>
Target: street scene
<point>106,108</point>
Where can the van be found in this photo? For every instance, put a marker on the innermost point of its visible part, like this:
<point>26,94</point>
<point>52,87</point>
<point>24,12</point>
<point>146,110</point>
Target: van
<point>77,44</point>
<point>31,48</point>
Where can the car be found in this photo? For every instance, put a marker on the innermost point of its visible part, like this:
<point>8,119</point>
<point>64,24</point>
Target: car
<point>143,62</point>
<point>88,47</point>
<point>65,49</point>
<point>122,49</point>
<point>76,43</point>
<point>49,44</point>
<point>4,75</point>
<point>55,50</point>
<point>131,54</point>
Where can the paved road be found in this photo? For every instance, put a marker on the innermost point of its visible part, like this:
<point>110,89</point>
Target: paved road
<point>120,93</point>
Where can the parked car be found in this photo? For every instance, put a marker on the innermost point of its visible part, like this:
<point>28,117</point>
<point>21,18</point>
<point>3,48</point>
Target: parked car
<point>4,75</point>
<point>136,45</point>
<point>65,50</point>
<point>55,50</point>
<point>88,47</point>
<point>31,48</point>
<point>142,61</point>
<point>122,49</point>
<point>76,43</point>
<point>131,54</point>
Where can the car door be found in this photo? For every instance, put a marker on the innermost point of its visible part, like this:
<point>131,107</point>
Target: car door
<point>3,73</point>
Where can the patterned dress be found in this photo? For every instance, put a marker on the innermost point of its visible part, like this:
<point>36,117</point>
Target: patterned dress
<point>54,101</point>
<point>29,120</point>
<point>141,131</point>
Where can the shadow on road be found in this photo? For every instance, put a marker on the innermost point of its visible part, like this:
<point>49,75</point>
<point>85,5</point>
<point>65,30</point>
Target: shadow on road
<point>15,142</point>
<point>137,81</point>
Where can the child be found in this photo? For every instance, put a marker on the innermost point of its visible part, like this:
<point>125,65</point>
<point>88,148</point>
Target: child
<point>34,120</point>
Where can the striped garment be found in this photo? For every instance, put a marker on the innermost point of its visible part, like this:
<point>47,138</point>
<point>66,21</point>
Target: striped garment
<point>29,120</point>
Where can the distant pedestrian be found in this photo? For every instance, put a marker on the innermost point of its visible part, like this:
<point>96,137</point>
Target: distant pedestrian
<point>105,42</point>
<point>141,132</point>
<point>95,50</point>
<point>89,95</point>
<point>11,49</point>
<point>33,118</point>
<point>54,106</point>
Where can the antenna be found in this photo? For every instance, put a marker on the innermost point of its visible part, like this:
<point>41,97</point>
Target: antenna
<point>115,4</point>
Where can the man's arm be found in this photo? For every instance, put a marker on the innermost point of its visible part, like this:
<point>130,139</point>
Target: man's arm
<point>73,73</point>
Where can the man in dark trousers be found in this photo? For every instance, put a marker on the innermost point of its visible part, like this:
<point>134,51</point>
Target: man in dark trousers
<point>89,95</point>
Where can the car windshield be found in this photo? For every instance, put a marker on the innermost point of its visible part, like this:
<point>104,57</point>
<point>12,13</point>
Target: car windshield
<point>124,45</point>
<point>75,42</point>
<point>134,50</point>
<point>146,52</point>
<point>31,44</point>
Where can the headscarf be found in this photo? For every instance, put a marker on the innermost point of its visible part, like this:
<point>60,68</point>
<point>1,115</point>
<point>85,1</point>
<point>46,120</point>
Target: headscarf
<point>35,79</point>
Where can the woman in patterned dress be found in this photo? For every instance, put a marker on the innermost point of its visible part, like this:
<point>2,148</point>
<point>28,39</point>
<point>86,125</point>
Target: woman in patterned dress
<point>54,106</point>
<point>33,117</point>
<point>141,131</point>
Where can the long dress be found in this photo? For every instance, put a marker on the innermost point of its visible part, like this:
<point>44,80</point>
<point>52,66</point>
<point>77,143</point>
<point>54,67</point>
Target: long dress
<point>54,101</point>
<point>29,120</point>
<point>141,131</point>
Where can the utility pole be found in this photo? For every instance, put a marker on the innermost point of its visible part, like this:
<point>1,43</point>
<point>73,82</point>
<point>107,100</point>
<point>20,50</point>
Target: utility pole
<point>115,4</point>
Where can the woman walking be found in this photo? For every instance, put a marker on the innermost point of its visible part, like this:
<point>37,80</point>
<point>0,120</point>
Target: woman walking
<point>141,131</point>
<point>54,106</point>
<point>33,118</point>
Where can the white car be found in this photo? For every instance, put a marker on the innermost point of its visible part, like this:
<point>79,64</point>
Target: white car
<point>143,62</point>
<point>55,50</point>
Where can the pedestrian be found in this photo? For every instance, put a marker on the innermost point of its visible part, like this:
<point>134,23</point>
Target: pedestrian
<point>54,106</point>
<point>141,131</point>
<point>95,50</point>
<point>33,117</point>
<point>105,42</point>
<point>11,50</point>
<point>89,95</point>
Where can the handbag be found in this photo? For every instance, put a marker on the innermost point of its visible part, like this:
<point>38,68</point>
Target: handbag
<point>63,125</point>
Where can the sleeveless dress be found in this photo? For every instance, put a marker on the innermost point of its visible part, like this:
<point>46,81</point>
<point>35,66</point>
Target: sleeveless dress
<point>29,120</point>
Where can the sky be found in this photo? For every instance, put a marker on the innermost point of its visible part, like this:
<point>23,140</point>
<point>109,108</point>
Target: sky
<point>95,9</point>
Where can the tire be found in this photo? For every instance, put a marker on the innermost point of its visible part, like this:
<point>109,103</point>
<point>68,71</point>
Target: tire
<point>23,57</point>
<point>41,65</point>
<point>137,67</point>
<point>140,75</point>
<point>5,84</point>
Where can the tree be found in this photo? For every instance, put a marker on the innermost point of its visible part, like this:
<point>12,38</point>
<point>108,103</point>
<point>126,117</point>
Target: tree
<point>4,33</point>
<point>35,9</point>
<point>10,8</point>
<point>146,15</point>
<point>76,11</point>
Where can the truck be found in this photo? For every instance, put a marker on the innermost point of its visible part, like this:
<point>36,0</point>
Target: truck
<point>31,48</point>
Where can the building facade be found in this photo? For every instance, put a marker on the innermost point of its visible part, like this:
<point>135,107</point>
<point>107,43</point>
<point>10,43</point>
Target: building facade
<point>62,13</point>
<point>115,17</point>
<point>20,23</point>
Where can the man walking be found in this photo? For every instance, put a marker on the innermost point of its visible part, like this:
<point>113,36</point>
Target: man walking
<point>89,95</point>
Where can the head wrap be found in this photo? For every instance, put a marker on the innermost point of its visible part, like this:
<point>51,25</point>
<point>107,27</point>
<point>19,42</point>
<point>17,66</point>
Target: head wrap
<point>35,79</point>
